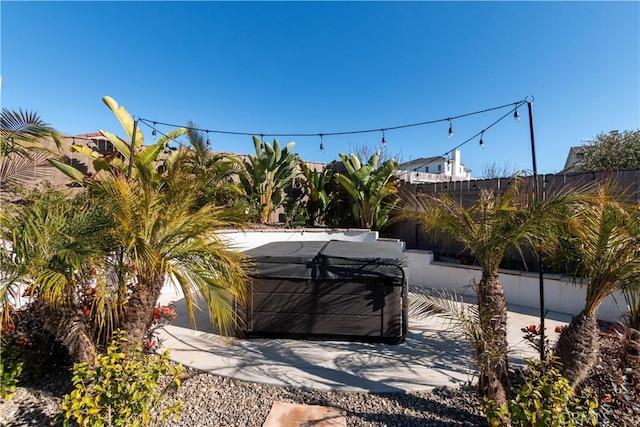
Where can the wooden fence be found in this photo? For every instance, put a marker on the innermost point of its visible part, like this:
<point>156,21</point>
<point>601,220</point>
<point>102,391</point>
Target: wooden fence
<point>627,183</point>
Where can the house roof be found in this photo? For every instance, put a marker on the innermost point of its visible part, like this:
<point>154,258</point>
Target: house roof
<point>573,158</point>
<point>90,135</point>
<point>418,163</point>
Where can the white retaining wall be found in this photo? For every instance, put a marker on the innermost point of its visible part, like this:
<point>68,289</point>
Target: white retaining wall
<point>249,239</point>
<point>521,288</point>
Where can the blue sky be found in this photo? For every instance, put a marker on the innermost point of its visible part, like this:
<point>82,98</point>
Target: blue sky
<point>324,67</point>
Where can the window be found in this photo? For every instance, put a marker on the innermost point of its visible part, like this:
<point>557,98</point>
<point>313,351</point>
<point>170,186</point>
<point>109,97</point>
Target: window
<point>439,168</point>
<point>426,169</point>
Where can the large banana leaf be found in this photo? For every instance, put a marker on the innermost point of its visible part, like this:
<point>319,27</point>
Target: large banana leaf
<point>88,152</point>
<point>150,154</point>
<point>368,185</point>
<point>69,171</point>
<point>122,147</point>
<point>171,136</point>
<point>125,120</point>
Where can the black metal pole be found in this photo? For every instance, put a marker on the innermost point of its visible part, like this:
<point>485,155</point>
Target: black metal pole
<point>133,144</point>
<point>537,198</point>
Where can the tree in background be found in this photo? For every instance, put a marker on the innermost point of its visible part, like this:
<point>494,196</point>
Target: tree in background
<point>267,173</point>
<point>364,152</point>
<point>370,186</point>
<point>494,169</point>
<point>611,152</point>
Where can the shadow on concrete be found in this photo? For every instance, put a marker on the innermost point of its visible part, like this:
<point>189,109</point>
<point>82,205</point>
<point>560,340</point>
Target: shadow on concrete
<point>432,355</point>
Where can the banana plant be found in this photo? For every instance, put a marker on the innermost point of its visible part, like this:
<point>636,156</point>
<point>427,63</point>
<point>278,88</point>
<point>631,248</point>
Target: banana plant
<point>143,157</point>
<point>268,172</point>
<point>370,186</point>
<point>315,188</point>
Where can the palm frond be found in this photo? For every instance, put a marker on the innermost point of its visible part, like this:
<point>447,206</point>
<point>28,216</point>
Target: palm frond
<point>22,130</point>
<point>462,317</point>
<point>17,170</point>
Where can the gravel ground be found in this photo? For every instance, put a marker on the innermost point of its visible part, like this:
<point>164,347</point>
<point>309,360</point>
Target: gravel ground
<point>217,401</point>
<point>211,400</point>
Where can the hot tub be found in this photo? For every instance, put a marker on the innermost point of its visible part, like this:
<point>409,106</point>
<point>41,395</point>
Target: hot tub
<point>327,290</point>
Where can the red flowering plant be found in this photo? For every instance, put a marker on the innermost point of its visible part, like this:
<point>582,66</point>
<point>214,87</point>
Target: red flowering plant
<point>560,328</point>
<point>532,334</point>
<point>162,316</point>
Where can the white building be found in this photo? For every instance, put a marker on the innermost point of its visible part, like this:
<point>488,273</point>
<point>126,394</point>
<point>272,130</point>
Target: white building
<point>434,169</point>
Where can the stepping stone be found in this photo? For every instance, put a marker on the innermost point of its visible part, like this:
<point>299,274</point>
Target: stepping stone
<point>284,414</point>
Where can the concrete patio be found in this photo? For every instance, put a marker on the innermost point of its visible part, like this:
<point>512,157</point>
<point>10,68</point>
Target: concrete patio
<point>432,355</point>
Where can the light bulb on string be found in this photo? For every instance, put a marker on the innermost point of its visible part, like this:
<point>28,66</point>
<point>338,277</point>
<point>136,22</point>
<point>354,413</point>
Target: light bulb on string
<point>384,140</point>
<point>450,129</point>
<point>321,144</point>
<point>153,132</point>
<point>208,141</point>
<point>481,144</point>
<point>262,141</point>
<point>516,115</point>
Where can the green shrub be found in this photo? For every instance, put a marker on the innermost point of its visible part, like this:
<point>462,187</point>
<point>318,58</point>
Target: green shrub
<point>295,215</point>
<point>120,389</point>
<point>10,368</point>
<point>545,399</point>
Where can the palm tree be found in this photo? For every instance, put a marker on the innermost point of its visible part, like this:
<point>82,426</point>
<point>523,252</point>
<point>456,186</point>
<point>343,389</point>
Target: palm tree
<point>211,174</point>
<point>604,237</point>
<point>57,247</point>
<point>631,293</point>
<point>488,229</point>
<point>23,150</point>
<point>158,233</point>
<point>370,185</point>
<point>162,237</point>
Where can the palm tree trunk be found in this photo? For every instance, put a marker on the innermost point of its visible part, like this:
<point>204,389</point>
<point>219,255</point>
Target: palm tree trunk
<point>70,329</point>
<point>492,353</point>
<point>632,354</point>
<point>139,310</point>
<point>577,347</point>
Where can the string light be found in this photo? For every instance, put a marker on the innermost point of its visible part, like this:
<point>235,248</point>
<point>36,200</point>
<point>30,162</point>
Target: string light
<point>208,142</point>
<point>351,132</point>
<point>513,111</point>
<point>384,140</point>
<point>153,132</point>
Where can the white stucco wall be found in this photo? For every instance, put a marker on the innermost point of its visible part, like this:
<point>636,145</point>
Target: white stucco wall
<point>521,288</point>
<point>249,239</point>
